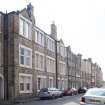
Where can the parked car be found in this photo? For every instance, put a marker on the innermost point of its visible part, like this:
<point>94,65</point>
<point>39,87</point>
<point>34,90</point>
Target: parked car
<point>50,93</point>
<point>82,90</point>
<point>74,91</point>
<point>68,92</point>
<point>59,93</point>
<point>85,88</point>
<point>94,96</point>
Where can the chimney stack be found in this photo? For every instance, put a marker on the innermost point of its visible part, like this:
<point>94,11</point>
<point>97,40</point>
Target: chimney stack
<point>53,31</point>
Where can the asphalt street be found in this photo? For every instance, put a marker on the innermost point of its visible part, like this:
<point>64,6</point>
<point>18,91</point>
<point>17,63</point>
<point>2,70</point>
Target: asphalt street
<point>66,100</point>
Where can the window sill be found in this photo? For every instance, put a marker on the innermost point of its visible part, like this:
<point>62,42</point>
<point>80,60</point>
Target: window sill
<point>25,37</point>
<point>25,92</point>
<point>39,69</point>
<point>25,66</point>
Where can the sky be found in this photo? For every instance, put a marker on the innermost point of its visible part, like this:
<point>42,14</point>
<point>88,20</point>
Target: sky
<point>80,23</point>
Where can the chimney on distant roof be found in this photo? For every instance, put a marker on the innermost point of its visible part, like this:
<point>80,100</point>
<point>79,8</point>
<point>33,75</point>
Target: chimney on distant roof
<point>89,59</point>
<point>30,9</point>
<point>53,30</point>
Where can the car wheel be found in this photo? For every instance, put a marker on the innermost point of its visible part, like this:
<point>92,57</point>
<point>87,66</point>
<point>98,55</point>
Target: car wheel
<point>53,96</point>
<point>61,95</point>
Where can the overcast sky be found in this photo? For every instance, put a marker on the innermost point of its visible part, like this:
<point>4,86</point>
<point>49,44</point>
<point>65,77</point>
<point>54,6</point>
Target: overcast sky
<point>80,23</point>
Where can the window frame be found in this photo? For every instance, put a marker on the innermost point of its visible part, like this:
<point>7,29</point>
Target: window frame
<point>62,67</point>
<point>43,83</point>
<point>39,61</point>
<point>50,64</point>
<point>39,37</point>
<point>25,56</point>
<point>50,44</point>
<point>29,23</point>
<point>25,76</point>
<point>51,82</point>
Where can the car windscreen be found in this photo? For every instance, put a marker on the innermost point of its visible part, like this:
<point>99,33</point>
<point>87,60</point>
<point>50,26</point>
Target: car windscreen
<point>44,90</point>
<point>97,92</point>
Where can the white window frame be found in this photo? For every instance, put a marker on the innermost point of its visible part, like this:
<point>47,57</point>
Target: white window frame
<point>0,21</point>
<point>26,29</point>
<point>52,84</point>
<point>62,70</point>
<point>50,44</point>
<point>50,67</point>
<point>36,35</point>
<point>59,83</point>
<point>40,54</point>
<point>24,65</point>
<point>25,76</point>
<point>58,48</point>
<point>39,37</point>
<point>66,84</point>
<point>25,21</point>
<point>62,84</point>
<point>21,25</point>
<point>65,52</point>
<point>43,79</point>
<point>62,51</point>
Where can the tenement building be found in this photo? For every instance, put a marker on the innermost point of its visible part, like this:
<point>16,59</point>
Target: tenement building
<point>86,69</point>
<point>31,59</point>
<point>62,66</point>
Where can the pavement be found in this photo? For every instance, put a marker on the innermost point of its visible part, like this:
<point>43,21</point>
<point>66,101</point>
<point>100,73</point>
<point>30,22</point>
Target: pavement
<point>36,101</point>
<point>66,100</point>
<point>19,101</point>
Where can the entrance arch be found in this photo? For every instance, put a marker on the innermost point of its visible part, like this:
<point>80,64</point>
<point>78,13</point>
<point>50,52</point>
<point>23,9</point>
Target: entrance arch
<point>1,87</point>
